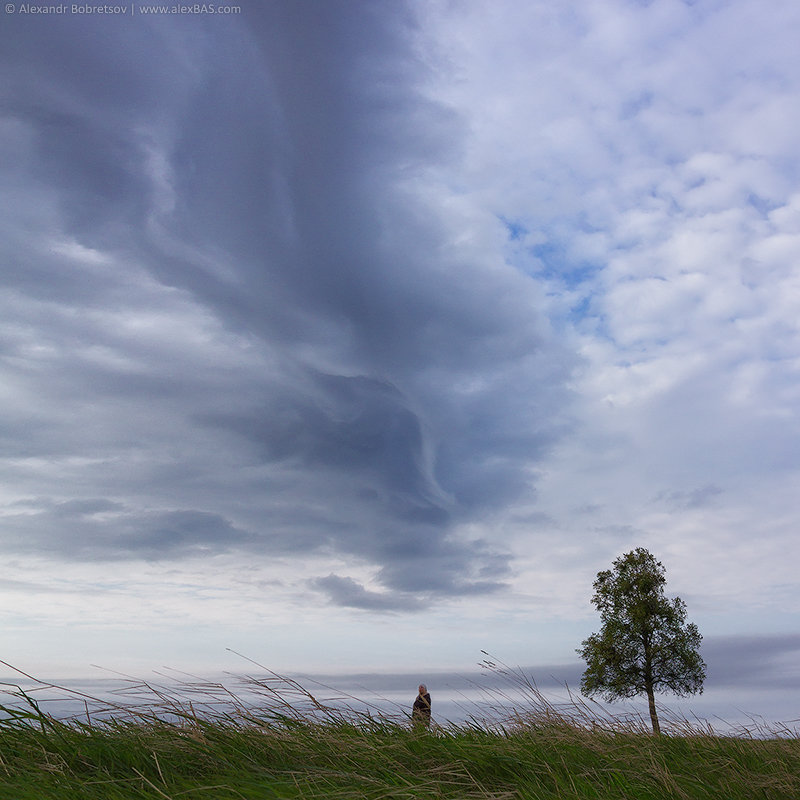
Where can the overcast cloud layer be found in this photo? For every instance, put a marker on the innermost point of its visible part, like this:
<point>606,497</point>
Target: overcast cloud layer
<point>382,322</point>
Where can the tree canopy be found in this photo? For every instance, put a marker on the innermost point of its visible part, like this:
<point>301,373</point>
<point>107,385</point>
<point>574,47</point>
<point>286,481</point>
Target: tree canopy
<point>645,644</point>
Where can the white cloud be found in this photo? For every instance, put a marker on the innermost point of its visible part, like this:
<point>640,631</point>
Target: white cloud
<point>622,138</point>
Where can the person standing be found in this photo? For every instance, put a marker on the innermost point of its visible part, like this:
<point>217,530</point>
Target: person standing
<point>421,712</point>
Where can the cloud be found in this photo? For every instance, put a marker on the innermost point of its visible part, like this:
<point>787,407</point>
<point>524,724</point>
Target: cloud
<point>343,591</point>
<point>766,661</point>
<point>102,530</point>
<point>758,661</point>
<point>251,314</point>
<point>693,498</point>
<point>358,428</point>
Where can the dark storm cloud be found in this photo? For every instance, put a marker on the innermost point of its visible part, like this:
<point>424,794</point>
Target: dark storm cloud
<point>99,530</point>
<point>768,661</point>
<point>355,426</point>
<point>442,565</point>
<point>348,379</point>
<point>347,592</point>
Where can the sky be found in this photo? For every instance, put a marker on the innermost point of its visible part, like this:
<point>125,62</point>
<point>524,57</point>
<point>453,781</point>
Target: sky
<point>357,337</point>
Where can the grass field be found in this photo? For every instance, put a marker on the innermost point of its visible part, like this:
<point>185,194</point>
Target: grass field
<point>290,745</point>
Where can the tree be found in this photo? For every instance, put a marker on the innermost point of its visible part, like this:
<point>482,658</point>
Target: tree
<point>645,644</point>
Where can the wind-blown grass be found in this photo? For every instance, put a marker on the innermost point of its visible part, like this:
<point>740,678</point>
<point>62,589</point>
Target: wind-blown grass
<point>281,741</point>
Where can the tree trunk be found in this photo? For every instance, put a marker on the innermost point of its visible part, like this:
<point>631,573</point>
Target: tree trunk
<point>651,702</point>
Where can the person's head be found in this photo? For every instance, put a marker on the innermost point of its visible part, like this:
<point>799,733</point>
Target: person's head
<point>423,689</point>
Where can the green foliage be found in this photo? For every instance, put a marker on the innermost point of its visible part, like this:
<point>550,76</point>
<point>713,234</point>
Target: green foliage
<point>645,644</point>
<point>541,756</point>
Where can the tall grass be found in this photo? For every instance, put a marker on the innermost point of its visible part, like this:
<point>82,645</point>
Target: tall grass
<point>270,737</point>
